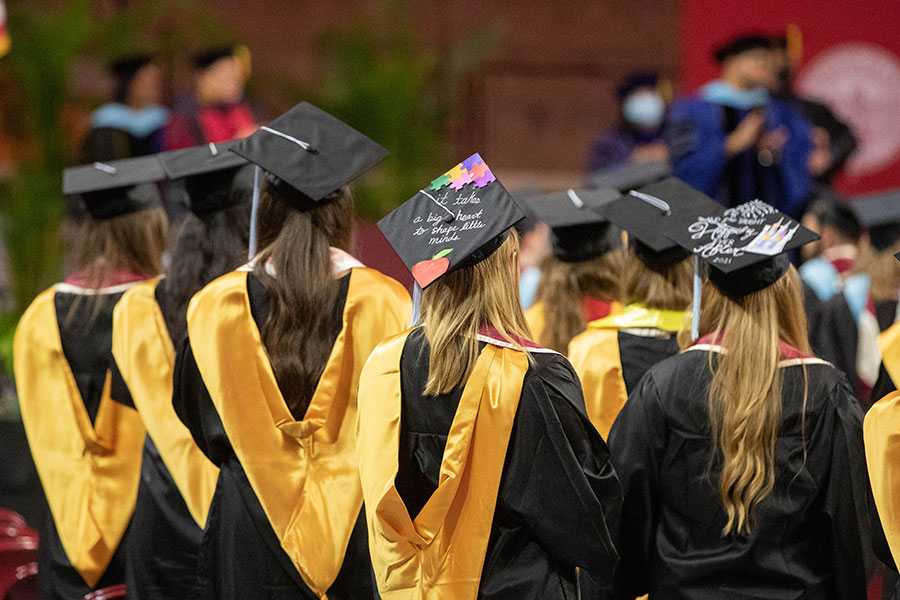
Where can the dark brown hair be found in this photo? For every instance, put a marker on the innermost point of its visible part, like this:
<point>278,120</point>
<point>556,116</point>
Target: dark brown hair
<point>298,332</point>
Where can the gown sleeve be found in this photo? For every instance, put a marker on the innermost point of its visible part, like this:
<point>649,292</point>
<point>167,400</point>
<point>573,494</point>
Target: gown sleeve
<point>565,488</point>
<point>837,440</point>
<point>195,407</point>
<point>696,143</point>
<point>637,443</point>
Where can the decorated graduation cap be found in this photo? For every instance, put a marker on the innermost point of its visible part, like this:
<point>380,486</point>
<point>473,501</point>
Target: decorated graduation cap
<point>579,231</point>
<point>630,176</point>
<point>209,171</point>
<point>457,220</point>
<point>646,212</point>
<point>745,246</point>
<point>116,188</point>
<point>880,214</point>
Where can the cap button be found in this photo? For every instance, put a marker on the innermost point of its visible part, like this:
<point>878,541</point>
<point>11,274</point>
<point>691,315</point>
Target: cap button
<point>448,218</point>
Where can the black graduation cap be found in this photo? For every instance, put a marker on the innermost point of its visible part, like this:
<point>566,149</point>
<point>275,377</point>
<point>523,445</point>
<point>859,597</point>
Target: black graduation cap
<point>744,43</point>
<point>645,213</point>
<point>459,219</point>
<point>880,214</point>
<point>311,151</point>
<point>579,231</point>
<point>209,171</point>
<point>116,188</point>
<point>630,176</point>
<point>209,56</point>
<point>745,246</point>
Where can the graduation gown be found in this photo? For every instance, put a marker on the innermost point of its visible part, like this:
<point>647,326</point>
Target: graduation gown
<point>593,309</point>
<point>286,519</point>
<point>177,480</point>
<point>613,353</point>
<point>87,448</point>
<point>499,489</point>
<point>808,537</point>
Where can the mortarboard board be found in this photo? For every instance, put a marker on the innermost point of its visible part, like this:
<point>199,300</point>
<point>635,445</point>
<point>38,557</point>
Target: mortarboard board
<point>456,221</point>
<point>742,44</point>
<point>209,171</point>
<point>310,151</point>
<point>745,246</point>
<point>209,56</point>
<point>880,214</point>
<point>578,231</point>
<point>629,176</point>
<point>645,212</point>
<point>117,187</point>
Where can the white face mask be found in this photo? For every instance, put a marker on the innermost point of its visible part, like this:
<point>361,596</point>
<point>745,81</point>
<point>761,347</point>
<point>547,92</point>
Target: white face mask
<point>644,109</point>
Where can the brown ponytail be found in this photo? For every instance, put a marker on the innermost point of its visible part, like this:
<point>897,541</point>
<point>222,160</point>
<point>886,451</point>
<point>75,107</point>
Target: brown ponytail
<point>298,334</point>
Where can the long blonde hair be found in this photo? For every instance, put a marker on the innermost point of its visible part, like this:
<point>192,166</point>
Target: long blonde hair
<point>459,304</point>
<point>745,397</point>
<point>564,284</point>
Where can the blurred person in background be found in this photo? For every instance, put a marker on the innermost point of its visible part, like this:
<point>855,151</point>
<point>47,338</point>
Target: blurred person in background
<point>636,137</point>
<point>833,140</point>
<point>534,246</point>
<point>215,111</point>
<point>581,280</point>
<point>734,142</point>
<point>841,234</point>
<point>131,124</point>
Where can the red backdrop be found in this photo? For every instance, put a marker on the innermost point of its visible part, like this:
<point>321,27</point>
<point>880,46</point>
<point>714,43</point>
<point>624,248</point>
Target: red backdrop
<point>851,60</point>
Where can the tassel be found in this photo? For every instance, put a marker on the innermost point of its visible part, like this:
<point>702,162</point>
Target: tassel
<point>254,213</point>
<point>698,291</point>
<point>416,301</point>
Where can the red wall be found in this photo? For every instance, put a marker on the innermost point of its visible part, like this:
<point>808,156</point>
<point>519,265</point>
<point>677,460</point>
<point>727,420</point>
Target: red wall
<point>851,58</point>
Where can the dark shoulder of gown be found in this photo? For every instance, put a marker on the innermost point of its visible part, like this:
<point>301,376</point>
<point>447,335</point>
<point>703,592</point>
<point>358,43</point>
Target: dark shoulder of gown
<point>558,495</point>
<point>236,517</point>
<point>86,338</point>
<point>638,353</point>
<point>808,538</point>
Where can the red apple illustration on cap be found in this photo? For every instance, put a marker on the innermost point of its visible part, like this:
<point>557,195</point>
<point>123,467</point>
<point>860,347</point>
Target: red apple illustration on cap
<point>427,271</point>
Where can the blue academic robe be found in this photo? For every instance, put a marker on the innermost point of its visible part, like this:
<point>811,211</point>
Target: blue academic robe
<point>696,135</point>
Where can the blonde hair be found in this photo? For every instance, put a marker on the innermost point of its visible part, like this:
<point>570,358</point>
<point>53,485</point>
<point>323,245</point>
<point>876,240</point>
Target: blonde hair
<point>883,271</point>
<point>745,396</point>
<point>666,287</point>
<point>562,287</point>
<point>459,304</point>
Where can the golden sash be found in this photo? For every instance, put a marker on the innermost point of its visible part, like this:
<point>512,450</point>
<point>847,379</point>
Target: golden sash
<point>889,344</point>
<point>146,359</point>
<point>439,554</point>
<point>595,356</point>
<point>89,473</point>
<point>304,473</point>
<point>881,433</point>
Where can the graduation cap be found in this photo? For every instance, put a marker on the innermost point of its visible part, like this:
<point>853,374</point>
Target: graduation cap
<point>310,151</point>
<point>209,171</point>
<point>116,188</point>
<point>880,214</point>
<point>745,246</point>
<point>646,212</point>
<point>742,44</point>
<point>209,56</point>
<point>630,176</point>
<point>578,231</point>
<point>457,220</point>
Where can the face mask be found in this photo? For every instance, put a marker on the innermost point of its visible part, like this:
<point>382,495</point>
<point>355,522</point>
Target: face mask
<point>644,110</point>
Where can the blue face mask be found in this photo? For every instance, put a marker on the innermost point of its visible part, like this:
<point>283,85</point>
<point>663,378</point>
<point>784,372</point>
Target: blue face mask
<point>720,92</point>
<point>644,110</point>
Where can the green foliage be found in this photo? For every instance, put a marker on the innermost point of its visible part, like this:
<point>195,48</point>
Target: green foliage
<point>381,78</point>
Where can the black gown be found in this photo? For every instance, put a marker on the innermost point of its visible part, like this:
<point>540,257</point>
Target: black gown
<point>808,538</point>
<point>88,351</point>
<point>162,553</point>
<point>558,488</point>
<point>241,556</point>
